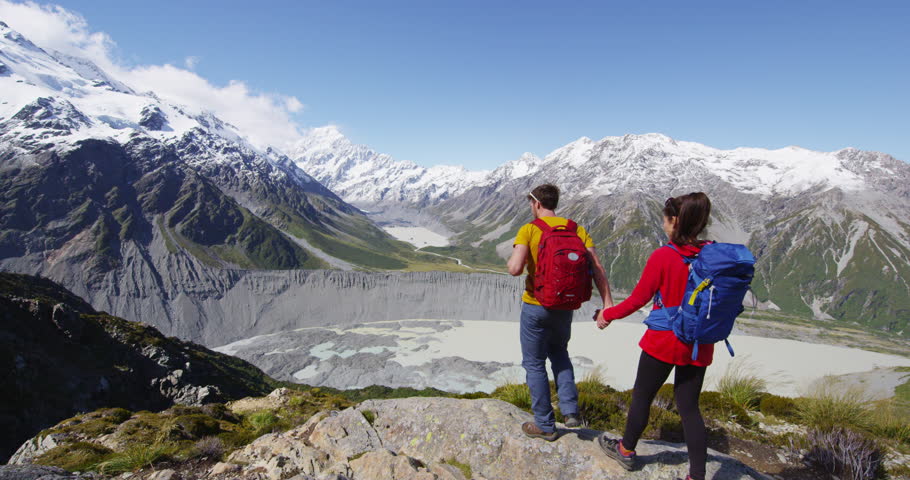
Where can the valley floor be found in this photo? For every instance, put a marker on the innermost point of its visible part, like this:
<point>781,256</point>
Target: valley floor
<point>480,355</point>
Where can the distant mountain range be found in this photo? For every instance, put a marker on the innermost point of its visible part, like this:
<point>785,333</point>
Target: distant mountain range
<point>100,184</point>
<point>831,230</point>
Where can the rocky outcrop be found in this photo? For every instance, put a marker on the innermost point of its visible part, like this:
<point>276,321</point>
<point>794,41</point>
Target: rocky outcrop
<point>444,438</point>
<point>58,357</point>
<point>153,118</point>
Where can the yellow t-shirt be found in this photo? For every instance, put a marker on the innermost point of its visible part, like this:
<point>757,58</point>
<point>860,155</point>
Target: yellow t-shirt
<point>530,235</point>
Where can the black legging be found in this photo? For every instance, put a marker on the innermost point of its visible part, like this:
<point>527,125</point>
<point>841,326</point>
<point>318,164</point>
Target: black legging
<point>652,373</point>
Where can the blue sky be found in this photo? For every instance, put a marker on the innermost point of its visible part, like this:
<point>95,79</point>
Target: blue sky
<point>479,83</point>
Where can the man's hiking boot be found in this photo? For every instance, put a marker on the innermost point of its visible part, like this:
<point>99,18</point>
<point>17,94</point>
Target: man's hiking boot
<point>613,448</point>
<point>572,421</point>
<point>532,430</point>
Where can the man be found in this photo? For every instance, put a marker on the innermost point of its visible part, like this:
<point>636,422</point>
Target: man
<point>545,332</point>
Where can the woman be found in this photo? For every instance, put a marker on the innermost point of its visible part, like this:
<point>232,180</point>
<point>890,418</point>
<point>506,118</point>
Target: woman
<point>684,219</point>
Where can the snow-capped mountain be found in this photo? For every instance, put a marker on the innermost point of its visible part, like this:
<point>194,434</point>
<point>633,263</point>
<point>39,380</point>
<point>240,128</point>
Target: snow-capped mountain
<point>352,171</point>
<point>99,183</point>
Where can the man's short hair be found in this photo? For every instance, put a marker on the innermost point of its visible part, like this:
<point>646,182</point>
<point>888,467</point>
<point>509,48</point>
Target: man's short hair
<point>547,194</point>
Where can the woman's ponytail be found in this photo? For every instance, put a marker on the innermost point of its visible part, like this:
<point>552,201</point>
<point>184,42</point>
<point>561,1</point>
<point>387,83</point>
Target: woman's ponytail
<point>692,212</point>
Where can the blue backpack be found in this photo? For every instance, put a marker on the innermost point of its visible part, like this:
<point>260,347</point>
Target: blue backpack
<point>719,277</point>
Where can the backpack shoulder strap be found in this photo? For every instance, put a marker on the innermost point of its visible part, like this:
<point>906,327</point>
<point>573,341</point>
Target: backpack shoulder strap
<point>542,225</point>
<point>571,226</point>
<point>685,259</point>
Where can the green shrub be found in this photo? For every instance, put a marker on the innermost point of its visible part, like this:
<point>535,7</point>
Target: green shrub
<point>263,421</point>
<point>664,425</point>
<point>219,411</point>
<point>517,394</point>
<point>473,395</point>
<point>781,407</point>
<point>601,411</point>
<point>830,404</point>
<point>196,426</point>
<point>116,415</point>
<point>717,407</point>
<point>75,457</point>
<point>740,386</point>
<point>238,438</point>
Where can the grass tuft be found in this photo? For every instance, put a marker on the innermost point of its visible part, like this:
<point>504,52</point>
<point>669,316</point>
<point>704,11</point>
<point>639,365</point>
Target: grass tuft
<point>740,386</point>
<point>135,457</point>
<point>517,394</point>
<point>830,404</point>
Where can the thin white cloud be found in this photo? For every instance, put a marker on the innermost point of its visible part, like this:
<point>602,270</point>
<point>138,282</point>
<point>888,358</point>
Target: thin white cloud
<point>266,119</point>
<point>191,62</point>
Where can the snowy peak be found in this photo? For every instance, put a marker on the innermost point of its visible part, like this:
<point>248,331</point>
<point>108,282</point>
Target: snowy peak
<point>88,70</point>
<point>33,81</point>
<point>362,176</point>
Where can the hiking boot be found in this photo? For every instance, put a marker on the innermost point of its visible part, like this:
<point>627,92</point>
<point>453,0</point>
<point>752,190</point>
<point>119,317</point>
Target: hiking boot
<point>532,430</point>
<point>572,421</point>
<point>611,447</point>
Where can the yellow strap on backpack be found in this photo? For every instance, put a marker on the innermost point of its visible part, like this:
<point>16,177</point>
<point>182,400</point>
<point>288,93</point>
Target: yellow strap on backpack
<point>703,285</point>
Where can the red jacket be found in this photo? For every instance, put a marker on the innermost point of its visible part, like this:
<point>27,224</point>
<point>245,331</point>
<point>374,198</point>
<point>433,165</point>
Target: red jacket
<point>667,271</point>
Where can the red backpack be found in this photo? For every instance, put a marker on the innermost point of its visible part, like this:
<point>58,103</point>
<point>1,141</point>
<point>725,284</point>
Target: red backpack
<point>562,278</point>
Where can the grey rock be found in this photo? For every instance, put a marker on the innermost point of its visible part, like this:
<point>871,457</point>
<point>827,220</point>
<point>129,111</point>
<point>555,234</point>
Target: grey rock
<point>153,118</point>
<point>414,438</point>
<point>224,468</point>
<point>345,435</point>
<point>32,449</point>
<point>486,434</point>
<point>36,472</point>
<point>67,320</point>
<point>167,474</point>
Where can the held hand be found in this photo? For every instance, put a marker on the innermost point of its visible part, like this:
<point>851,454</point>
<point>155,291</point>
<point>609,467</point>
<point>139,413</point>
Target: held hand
<point>602,323</point>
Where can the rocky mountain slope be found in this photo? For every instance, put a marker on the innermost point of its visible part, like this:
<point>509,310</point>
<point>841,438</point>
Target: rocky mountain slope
<point>829,229</point>
<point>58,356</point>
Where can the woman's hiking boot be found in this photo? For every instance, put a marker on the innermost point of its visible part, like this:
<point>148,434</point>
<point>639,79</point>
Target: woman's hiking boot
<point>614,449</point>
<point>572,421</point>
<point>532,430</point>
